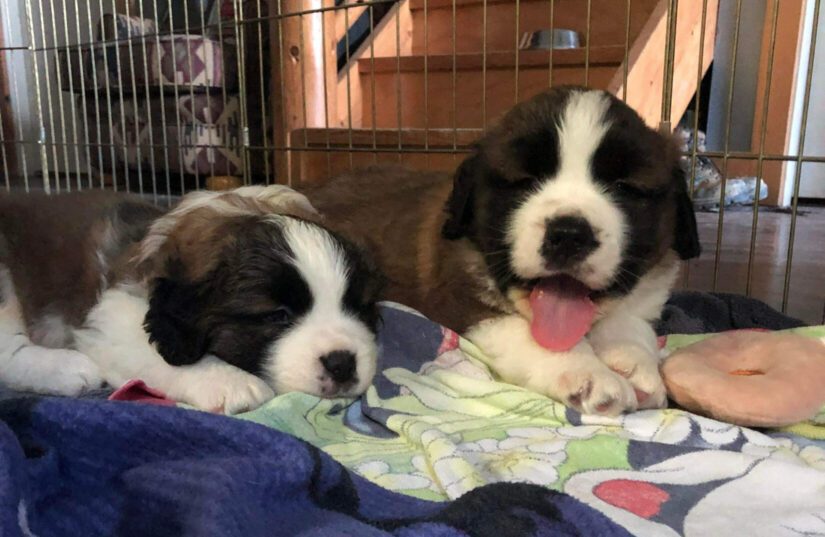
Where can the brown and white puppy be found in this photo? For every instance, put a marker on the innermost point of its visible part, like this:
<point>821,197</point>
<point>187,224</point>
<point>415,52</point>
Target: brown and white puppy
<point>219,303</point>
<point>558,246</point>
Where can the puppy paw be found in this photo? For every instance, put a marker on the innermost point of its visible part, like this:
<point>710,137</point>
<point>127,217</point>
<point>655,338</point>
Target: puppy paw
<point>57,372</point>
<point>641,369</point>
<point>221,388</point>
<point>595,389</point>
<point>81,374</point>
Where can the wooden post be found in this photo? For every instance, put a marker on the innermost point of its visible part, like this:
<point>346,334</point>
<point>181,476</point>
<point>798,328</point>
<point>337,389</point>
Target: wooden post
<point>304,74</point>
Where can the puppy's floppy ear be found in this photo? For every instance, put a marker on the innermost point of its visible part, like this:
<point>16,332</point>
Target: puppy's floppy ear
<point>460,203</point>
<point>171,321</point>
<point>686,235</point>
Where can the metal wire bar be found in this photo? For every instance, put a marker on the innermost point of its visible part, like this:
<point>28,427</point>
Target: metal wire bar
<point>191,84</point>
<point>49,106</point>
<point>301,63</point>
<point>587,45</point>
<point>107,83</point>
<point>264,114</point>
<point>670,54</point>
<point>315,149</point>
<point>17,100</point>
<point>552,27</point>
<point>349,87</point>
<point>426,81</point>
<point>223,91</point>
<point>150,119</point>
<point>720,229</point>
<point>768,157</point>
<point>73,109</point>
<point>3,155</point>
<point>743,155</point>
<point>286,155</point>
<point>399,117</point>
<point>176,92</point>
<point>121,93</point>
<point>163,126</point>
<point>515,68</point>
<point>136,109</point>
<point>762,137</point>
<point>326,92</point>
<point>806,102</point>
<point>455,76</point>
<point>484,64</point>
<point>83,99</point>
<point>96,93</point>
<point>208,99</point>
<point>64,129</point>
<point>697,101</point>
<point>38,103</point>
<point>240,48</point>
<point>373,97</point>
<point>626,62</point>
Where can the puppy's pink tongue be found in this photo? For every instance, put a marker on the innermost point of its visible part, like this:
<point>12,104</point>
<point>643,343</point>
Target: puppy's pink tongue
<point>562,312</point>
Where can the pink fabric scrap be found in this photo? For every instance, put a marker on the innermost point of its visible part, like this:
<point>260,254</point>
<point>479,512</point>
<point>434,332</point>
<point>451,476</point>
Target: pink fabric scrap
<point>450,341</point>
<point>138,392</point>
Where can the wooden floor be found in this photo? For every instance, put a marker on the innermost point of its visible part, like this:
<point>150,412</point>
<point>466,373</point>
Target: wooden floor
<point>806,297</point>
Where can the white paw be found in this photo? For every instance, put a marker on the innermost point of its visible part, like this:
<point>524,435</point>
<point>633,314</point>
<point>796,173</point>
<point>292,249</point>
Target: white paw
<point>592,388</point>
<point>218,387</point>
<point>57,371</point>
<point>641,369</point>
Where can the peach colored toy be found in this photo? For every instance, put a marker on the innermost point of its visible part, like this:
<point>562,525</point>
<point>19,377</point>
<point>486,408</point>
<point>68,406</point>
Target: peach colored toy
<point>749,378</point>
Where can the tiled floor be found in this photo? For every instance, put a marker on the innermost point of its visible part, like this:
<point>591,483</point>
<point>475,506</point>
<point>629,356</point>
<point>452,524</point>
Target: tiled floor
<point>806,297</point>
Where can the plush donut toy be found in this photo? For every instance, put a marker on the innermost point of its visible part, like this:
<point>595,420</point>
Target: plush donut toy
<point>749,378</point>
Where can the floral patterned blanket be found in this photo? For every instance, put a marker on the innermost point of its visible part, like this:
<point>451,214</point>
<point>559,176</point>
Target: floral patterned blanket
<point>435,425</point>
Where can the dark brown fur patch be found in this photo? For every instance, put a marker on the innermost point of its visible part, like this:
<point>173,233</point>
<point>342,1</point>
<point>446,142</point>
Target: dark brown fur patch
<point>51,245</point>
<point>399,213</point>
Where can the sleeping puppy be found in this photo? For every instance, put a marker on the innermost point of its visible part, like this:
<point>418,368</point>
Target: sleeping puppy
<point>220,303</point>
<point>553,249</point>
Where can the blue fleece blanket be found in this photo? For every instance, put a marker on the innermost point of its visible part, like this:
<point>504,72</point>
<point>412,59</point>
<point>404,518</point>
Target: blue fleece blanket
<point>86,468</point>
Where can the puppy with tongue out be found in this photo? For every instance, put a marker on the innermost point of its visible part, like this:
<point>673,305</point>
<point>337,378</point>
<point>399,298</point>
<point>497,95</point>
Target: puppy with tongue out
<point>562,312</point>
<point>553,248</point>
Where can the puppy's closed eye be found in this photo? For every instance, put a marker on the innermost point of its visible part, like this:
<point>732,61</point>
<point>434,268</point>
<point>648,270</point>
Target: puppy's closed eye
<point>517,182</point>
<point>278,315</point>
<point>628,189</point>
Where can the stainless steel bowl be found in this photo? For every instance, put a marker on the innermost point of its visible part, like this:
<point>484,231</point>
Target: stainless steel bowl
<point>558,38</point>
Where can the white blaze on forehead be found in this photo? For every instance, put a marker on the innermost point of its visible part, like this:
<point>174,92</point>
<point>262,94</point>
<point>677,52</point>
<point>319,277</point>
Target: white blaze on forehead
<point>572,191</point>
<point>319,259</point>
<point>581,131</point>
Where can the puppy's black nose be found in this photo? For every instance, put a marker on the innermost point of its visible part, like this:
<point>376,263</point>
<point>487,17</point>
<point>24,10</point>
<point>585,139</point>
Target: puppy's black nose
<point>340,365</point>
<point>567,240</point>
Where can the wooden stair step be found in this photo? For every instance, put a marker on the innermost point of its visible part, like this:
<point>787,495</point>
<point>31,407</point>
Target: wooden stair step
<point>609,55</point>
<point>507,21</point>
<point>385,138</point>
<point>416,5</point>
<point>471,96</point>
<point>324,153</point>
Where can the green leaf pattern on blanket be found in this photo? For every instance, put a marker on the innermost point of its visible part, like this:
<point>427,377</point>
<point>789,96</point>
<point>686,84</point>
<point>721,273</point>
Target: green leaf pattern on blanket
<point>456,428</point>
